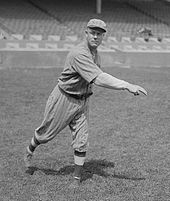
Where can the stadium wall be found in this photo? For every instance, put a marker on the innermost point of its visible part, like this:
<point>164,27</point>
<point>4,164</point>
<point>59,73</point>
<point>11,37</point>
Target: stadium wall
<point>110,58</point>
<point>46,59</point>
<point>52,53</point>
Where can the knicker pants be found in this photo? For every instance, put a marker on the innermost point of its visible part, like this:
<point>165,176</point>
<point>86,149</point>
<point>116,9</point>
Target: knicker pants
<point>62,110</point>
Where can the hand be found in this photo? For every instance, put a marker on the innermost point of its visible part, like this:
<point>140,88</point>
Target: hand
<point>136,90</point>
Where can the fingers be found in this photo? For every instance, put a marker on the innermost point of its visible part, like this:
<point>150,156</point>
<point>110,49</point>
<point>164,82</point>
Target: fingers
<point>142,90</point>
<point>136,90</point>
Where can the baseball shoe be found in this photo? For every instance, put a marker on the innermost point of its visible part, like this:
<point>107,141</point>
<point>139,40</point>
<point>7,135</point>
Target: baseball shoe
<point>75,184</point>
<point>28,158</point>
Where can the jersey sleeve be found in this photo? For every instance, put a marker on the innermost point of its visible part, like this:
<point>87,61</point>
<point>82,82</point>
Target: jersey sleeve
<point>85,66</point>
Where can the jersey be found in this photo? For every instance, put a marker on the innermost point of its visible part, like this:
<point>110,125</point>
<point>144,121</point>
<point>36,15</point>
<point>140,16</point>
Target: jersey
<point>81,68</point>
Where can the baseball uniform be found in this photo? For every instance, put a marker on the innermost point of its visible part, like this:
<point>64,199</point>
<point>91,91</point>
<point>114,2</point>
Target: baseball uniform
<point>68,102</point>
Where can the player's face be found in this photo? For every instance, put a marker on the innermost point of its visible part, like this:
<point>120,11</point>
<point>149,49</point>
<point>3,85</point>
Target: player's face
<point>94,37</point>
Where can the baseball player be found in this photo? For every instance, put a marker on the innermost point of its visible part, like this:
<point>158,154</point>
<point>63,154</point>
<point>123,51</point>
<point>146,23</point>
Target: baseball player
<point>68,103</point>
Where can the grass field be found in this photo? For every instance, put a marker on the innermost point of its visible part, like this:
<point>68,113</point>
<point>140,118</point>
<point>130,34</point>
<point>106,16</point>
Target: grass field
<point>129,153</point>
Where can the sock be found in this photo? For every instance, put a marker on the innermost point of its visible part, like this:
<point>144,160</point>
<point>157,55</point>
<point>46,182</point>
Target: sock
<point>79,158</point>
<point>77,171</point>
<point>34,143</point>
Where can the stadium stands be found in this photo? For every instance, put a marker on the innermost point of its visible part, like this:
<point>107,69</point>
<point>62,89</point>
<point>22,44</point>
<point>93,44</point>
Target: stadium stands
<point>21,17</point>
<point>120,16</point>
<point>157,10</point>
<point>32,31</point>
<point>52,17</point>
<point>56,20</point>
<point>123,17</point>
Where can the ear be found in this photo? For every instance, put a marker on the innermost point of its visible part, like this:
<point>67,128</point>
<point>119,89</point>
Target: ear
<point>86,32</point>
<point>104,34</point>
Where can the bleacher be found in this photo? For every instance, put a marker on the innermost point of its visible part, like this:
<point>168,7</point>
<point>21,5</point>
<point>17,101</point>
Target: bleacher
<point>32,31</point>
<point>21,17</point>
<point>119,15</point>
<point>159,10</point>
<point>60,18</point>
<point>63,22</point>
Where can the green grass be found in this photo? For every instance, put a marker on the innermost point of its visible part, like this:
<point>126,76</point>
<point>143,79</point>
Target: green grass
<point>129,153</point>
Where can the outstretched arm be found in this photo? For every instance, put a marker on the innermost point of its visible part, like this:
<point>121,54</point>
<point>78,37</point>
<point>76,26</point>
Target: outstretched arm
<point>108,81</point>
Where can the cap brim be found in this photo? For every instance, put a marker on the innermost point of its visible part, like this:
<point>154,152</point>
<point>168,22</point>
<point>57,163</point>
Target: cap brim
<point>97,28</point>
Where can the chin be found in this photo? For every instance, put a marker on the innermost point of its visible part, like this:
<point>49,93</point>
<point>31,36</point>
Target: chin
<point>94,45</point>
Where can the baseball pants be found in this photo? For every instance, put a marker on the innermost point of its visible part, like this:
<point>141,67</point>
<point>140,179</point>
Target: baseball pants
<point>62,110</point>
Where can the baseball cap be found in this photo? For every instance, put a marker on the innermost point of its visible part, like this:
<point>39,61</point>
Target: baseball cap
<point>97,23</point>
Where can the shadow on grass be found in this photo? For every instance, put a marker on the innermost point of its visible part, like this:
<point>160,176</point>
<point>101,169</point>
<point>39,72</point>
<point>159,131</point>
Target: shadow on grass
<point>92,167</point>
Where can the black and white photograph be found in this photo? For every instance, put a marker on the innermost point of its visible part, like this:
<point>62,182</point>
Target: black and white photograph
<point>85,100</point>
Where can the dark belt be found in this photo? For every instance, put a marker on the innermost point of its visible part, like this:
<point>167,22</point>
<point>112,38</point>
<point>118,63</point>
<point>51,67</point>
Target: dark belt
<point>77,96</point>
<point>80,97</point>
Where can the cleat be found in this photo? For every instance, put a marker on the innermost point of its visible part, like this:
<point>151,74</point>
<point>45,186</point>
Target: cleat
<point>28,158</point>
<point>75,184</point>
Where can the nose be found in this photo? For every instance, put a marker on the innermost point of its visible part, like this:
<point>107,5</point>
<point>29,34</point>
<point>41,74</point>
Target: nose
<point>95,35</point>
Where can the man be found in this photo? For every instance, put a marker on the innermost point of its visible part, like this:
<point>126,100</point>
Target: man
<point>68,104</point>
